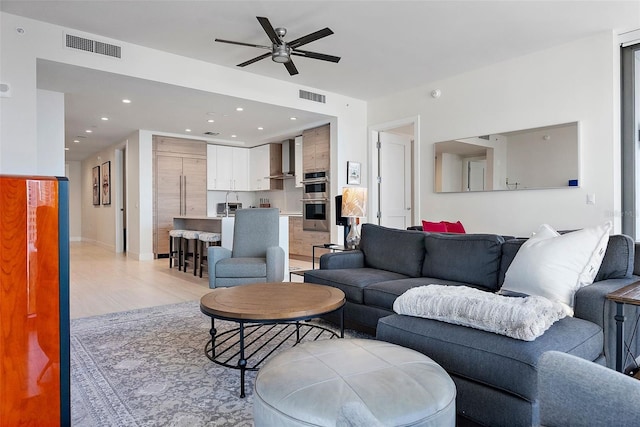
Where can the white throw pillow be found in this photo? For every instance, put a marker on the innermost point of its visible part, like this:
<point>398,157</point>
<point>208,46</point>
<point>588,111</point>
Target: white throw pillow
<point>555,266</point>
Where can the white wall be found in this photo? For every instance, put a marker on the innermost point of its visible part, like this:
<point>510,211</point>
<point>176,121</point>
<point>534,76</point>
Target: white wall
<point>18,55</point>
<point>50,125</point>
<point>578,81</point>
<point>73,171</point>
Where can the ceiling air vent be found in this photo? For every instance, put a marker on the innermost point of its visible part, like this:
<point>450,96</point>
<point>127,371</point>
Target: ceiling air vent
<point>212,133</point>
<point>88,45</point>
<point>312,96</point>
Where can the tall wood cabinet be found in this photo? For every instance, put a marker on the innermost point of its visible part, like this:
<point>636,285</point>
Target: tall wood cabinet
<point>315,149</point>
<point>180,185</point>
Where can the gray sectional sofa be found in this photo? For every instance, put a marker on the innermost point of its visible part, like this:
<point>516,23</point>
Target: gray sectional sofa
<point>496,376</point>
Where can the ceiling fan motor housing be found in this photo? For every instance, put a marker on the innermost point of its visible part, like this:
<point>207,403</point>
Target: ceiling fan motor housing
<point>281,53</point>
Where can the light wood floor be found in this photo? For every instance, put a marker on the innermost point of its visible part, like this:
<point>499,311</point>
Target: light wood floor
<point>104,282</point>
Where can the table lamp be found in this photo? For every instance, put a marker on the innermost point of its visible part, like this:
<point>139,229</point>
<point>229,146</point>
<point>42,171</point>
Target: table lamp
<point>354,205</point>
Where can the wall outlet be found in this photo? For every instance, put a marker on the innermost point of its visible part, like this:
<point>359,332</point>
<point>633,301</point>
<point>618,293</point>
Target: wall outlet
<point>591,199</point>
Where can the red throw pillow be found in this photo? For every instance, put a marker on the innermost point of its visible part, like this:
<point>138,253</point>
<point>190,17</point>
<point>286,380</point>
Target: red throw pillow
<point>434,227</point>
<point>454,227</point>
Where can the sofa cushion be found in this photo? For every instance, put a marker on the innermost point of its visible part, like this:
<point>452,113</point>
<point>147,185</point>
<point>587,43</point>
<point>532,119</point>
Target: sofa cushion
<point>384,294</point>
<point>351,280</point>
<point>467,258</point>
<point>400,251</point>
<point>555,266</point>
<point>618,260</point>
<point>487,358</point>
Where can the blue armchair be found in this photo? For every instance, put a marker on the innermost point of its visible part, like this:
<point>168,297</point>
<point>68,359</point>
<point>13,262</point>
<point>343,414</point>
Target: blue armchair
<point>256,256</point>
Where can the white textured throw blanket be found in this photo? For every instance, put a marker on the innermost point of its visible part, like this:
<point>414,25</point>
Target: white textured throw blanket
<point>516,317</point>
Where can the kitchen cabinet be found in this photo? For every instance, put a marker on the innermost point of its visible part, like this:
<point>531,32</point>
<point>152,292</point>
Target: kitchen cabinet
<point>180,185</point>
<point>298,161</point>
<point>315,149</point>
<point>301,242</point>
<point>227,168</point>
<point>265,161</point>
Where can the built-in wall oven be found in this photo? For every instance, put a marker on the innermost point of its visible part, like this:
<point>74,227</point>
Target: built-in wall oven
<point>315,201</point>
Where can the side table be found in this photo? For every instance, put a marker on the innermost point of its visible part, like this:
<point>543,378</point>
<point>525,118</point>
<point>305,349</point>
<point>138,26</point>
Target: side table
<point>630,294</point>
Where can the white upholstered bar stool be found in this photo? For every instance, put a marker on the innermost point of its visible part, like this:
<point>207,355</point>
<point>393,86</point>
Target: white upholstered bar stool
<point>190,240</point>
<point>204,241</point>
<point>175,248</point>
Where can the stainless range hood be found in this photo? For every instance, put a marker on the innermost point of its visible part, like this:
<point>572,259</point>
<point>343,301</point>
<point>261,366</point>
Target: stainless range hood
<point>288,160</point>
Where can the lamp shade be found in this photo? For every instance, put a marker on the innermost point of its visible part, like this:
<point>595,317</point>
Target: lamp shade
<point>354,202</point>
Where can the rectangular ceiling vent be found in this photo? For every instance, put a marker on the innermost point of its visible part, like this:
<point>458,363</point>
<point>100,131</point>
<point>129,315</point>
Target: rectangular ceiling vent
<point>316,97</point>
<point>88,45</point>
<point>212,133</point>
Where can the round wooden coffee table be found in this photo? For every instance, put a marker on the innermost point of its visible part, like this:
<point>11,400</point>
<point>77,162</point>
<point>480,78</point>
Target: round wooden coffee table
<point>273,312</point>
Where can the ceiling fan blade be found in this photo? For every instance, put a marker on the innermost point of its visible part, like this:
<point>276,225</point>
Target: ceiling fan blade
<point>243,44</point>
<point>268,28</point>
<point>315,55</point>
<point>256,59</point>
<point>291,68</point>
<point>310,37</point>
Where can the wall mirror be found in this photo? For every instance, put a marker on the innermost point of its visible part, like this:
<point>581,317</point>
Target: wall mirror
<point>544,157</point>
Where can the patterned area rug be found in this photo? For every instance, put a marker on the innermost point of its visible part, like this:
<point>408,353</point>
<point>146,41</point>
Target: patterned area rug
<point>148,368</point>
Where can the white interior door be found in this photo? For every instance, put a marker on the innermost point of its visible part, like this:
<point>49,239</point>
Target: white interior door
<point>395,180</point>
<point>476,175</point>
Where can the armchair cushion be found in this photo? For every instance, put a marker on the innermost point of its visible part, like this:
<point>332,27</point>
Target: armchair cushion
<point>242,267</point>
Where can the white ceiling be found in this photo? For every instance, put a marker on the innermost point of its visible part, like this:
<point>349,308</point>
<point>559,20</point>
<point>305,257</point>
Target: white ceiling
<point>386,46</point>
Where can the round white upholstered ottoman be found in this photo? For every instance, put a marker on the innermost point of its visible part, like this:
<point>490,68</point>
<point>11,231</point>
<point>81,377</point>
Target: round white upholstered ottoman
<point>353,382</point>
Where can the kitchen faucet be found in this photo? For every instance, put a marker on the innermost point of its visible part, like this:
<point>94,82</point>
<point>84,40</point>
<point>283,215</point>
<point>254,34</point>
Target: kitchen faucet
<point>226,202</point>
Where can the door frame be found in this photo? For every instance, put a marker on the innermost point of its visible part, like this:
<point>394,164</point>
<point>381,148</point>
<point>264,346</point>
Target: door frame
<point>372,160</point>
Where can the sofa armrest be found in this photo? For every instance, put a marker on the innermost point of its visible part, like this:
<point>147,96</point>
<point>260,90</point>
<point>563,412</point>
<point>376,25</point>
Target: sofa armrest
<point>591,304</point>
<point>575,391</point>
<point>339,260</point>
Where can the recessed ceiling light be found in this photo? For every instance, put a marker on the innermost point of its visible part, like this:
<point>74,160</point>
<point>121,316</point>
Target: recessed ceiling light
<point>239,109</point>
<point>66,148</point>
<point>210,121</point>
<point>104,118</point>
<point>77,141</point>
<point>260,128</point>
<point>126,101</point>
<point>233,136</point>
<point>88,131</point>
<point>187,130</point>
<point>293,118</point>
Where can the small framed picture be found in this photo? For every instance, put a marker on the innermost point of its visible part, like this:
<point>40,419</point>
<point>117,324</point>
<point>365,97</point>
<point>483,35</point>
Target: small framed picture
<point>106,183</point>
<point>353,173</point>
<point>96,185</point>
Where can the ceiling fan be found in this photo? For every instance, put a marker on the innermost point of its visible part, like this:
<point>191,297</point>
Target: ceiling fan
<point>281,51</point>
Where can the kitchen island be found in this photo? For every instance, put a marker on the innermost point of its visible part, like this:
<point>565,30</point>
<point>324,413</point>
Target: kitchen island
<point>224,226</point>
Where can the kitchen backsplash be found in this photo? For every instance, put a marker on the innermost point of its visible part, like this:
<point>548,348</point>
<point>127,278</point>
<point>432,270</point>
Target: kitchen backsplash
<point>287,200</point>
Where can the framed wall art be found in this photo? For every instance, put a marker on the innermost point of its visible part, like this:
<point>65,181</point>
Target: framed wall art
<point>106,183</point>
<point>353,173</point>
<point>96,185</point>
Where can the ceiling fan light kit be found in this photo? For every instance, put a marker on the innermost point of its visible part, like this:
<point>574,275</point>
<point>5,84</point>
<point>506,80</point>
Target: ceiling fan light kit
<point>281,51</point>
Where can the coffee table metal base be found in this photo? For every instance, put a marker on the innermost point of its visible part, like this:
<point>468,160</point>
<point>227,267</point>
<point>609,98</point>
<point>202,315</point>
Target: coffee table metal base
<point>247,346</point>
